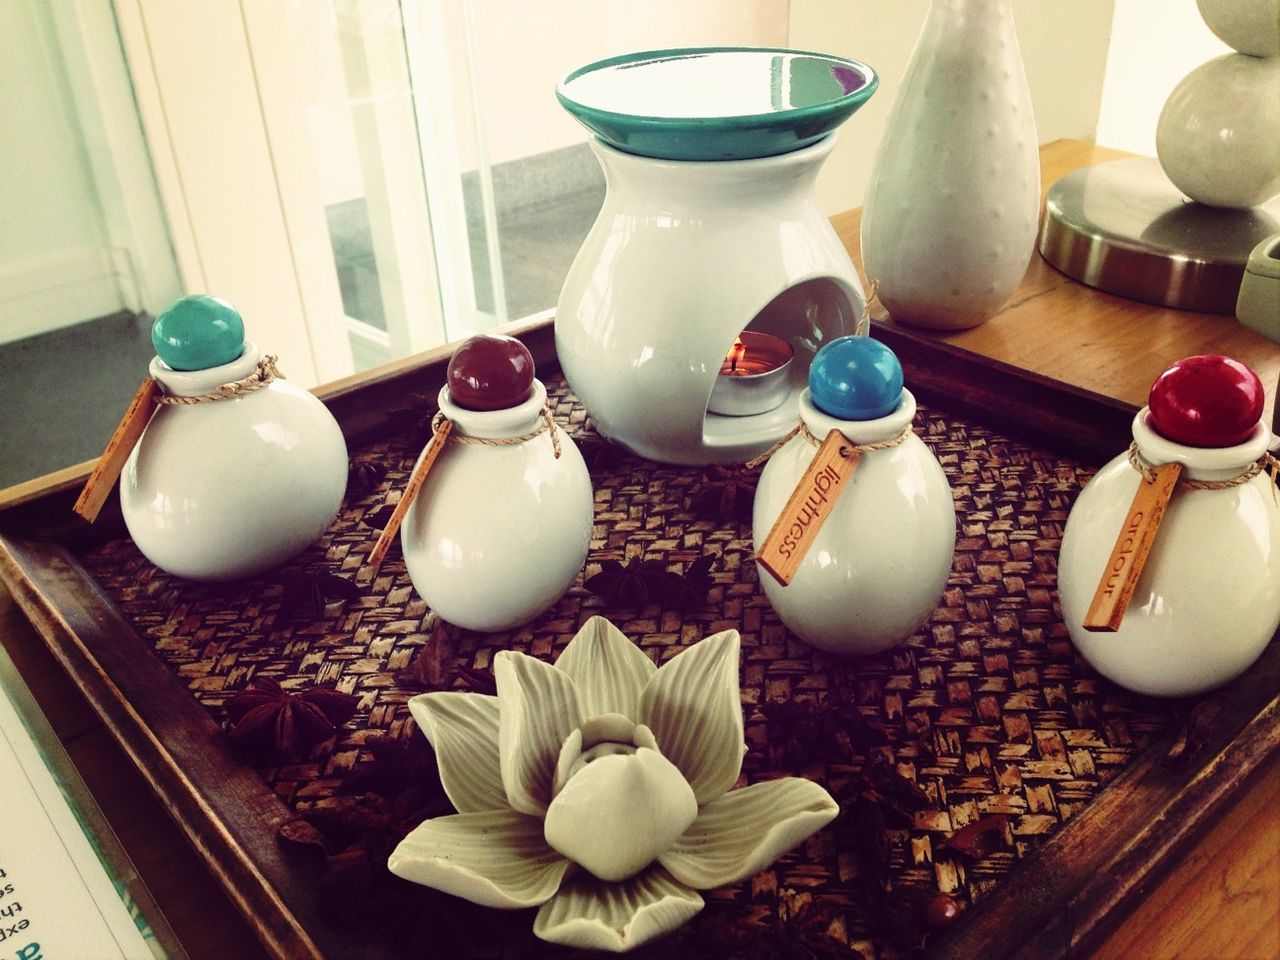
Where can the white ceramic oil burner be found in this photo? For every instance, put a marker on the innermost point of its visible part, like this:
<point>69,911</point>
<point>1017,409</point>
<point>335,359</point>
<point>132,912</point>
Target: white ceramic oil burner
<point>238,470</point>
<point>502,523</point>
<point>1207,600</point>
<point>710,225</point>
<point>874,571</point>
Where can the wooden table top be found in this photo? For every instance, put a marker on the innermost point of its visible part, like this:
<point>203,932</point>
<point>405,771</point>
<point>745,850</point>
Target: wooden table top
<point>1222,901</point>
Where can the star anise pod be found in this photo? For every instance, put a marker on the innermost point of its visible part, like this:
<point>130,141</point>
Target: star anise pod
<point>726,493</point>
<point>690,589</point>
<point>637,584</point>
<point>308,592</point>
<point>642,583</point>
<point>363,477</point>
<point>273,720</point>
<point>804,731</point>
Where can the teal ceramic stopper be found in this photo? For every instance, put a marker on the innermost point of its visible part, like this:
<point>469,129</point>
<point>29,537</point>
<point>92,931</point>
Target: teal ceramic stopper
<point>198,332</point>
<point>855,378</point>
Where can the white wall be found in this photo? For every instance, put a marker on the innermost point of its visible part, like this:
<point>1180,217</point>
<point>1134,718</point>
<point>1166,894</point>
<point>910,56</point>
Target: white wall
<point>1154,44</point>
<point>1064,49</point>
<point>516,80</point>
<point>55,262</point>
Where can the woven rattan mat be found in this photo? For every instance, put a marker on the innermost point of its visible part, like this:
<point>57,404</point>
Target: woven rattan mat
<point>987,708</point>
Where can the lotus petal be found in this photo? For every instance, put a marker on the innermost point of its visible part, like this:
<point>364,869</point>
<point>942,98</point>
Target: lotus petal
<point>495,859</point>
<point>744,831</point>
<point>538,708</point>
<point>608,670</point>
<point>463,729</point>
<point>619,812</point>
<point>617,917</point>
<point>694,708</point>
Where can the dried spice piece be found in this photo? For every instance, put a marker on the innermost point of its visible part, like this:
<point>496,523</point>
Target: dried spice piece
<point>478,681</point>
<point>363,477</point>
<point>637,584</point>
<point>1195,732</point>
<point>271,719</point>
<point>429,668</point>
<point>398,790</point>
<point>726,493</point>
<point>400,764</point>
<point>803,731</point>
<point>979,839</point>
<point>689,589</point>
<point>303,835</point>
<point>414,422</point>
<point>308,592</point>
<point>377,519</point>
<point>642,583</point>
<point>602,454</point>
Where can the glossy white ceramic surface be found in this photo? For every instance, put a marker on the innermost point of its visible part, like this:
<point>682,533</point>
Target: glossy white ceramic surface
<point>218,491</point>
<point>600,790</point>
<point>950,218</point>
<point>1208,600</point>
<point>682,257</point>
<point>497,534</point>
<point>879,564</point>
<point>1218,137</point>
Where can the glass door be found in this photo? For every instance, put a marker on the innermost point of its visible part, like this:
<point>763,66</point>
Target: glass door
<point>371,178</point>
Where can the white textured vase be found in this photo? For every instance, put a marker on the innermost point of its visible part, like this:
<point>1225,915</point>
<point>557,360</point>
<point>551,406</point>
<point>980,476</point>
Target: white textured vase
<point>949,221</point>
<point>876,569</point>
<point>1208,600</point>
<point>497,533</point>
<point>682,257</point>
<point>229,489</point>
<point>1218,137</point>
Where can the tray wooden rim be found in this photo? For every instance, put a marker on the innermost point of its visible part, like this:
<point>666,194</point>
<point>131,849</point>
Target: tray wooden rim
<point>1058,902</point>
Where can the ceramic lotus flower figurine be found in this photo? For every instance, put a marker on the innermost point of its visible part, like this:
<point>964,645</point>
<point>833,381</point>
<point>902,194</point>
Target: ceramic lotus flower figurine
<point>599,790</point>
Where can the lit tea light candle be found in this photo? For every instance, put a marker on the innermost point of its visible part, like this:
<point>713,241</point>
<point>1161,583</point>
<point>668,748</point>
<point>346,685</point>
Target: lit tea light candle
<point>753,377</point>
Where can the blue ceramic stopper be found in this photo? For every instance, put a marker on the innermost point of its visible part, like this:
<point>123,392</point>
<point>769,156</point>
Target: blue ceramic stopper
<point>855,378</point>
<point>198,332</point>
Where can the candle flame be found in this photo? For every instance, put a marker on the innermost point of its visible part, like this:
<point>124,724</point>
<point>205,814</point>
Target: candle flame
<point>737,352</point>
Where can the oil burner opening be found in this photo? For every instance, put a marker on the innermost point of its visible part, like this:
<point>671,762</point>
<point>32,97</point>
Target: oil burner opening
<point>752,406</point>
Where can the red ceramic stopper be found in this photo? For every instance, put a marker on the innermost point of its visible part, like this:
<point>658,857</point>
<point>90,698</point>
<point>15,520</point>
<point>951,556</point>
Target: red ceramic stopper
<point>1206,401</point>
<point>490,372</point>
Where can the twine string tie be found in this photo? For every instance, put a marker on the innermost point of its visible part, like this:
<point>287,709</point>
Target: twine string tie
<point>1266,462</point>
<point>545,425</point>
<point>802,430</point>
<point>263,374</point>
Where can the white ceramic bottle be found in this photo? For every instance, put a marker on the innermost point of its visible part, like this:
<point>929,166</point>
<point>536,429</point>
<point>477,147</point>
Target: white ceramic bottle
<point>498,533</point>
<point>879,563</point>
<point>949,221</point>
<point>1208,600</point>
<point>230,488</point>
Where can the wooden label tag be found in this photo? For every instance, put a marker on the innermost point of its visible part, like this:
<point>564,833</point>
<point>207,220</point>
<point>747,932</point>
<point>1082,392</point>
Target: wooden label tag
<point>411,489</point>
<point>126,436</point>
<point>808,507</point>
<point>1129,555</point>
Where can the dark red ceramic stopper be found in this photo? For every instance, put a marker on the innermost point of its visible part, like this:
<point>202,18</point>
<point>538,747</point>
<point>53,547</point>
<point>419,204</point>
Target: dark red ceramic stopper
<point>1207,401</point>
<point>490,372</point>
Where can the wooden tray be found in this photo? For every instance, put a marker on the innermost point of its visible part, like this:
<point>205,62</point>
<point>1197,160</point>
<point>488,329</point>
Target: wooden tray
<point>1069,884</point>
